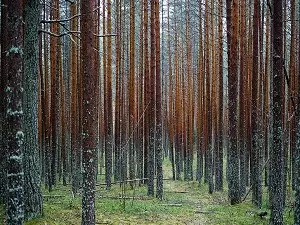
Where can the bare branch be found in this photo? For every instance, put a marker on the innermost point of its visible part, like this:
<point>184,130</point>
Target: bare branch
<point>106,35</point>
<point>59,35</point>
<point>59,21</point>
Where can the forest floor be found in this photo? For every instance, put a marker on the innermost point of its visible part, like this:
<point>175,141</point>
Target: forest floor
<point>183,203</point>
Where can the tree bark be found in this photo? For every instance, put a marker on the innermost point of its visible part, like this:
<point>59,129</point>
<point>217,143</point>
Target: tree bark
<point>89,113</point>
<point>32,176</point>
<point>158,114</point>
<point>233,154</point>
<point>276,154</point>
<point>297,153</point>
<point>14,113</point>
<point>3,79</point>
<point>256,148</point>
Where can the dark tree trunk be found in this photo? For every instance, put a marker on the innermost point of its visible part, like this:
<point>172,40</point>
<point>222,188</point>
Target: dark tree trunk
<point>233,154</point>
<point>297,153</point>
<point>3,79</point>
<point>151,152</point>
<point>32,176</point>
<point>109,130</point>
<point>276,153</point>
<point>219,156</point>
<point>158,139</point>
<point>256,148</point>
<point>243,77</point>
<point>89,113</point>
<point>14,113</point>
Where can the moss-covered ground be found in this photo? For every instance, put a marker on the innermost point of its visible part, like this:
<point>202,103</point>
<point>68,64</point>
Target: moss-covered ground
<point>184,203</point>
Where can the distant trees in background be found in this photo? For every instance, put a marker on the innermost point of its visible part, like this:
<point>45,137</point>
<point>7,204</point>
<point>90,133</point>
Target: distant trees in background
<point>114,87</point>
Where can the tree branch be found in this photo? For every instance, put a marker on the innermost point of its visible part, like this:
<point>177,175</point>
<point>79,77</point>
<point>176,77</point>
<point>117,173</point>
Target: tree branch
<point>270,7</point>
<point>59,21</point>
<point>106,35</point>
<point>58,35</point>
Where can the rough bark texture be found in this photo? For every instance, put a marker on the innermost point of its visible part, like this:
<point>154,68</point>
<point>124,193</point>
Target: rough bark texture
<point>219,153</point>
<point>109,134</point>
<point>14,114</point>
<point>3,103</point>
<point>297,154</point>
<point>276,154</point>
<point>89,113</point>
<point>158,139</point>
<point>256,148</point>
<point>32,176</point>
<point>75,152</point>
<point>243,77</point>
<point>233,154</point>
<point>151,151</point>
<point>131,92</point>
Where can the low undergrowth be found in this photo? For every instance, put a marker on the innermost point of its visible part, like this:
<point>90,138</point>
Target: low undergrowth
<point>184,202</point>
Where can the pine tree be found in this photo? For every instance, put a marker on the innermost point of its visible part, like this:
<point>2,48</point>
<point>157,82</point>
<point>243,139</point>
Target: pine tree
<point>276,153</point>
<point>3,104</point>
<point>14,113</point>
<point>233,156</point>
<point>89,113</point>
<point>32,176</point>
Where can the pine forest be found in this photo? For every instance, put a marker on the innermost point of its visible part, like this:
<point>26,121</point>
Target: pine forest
<point>150,112</point>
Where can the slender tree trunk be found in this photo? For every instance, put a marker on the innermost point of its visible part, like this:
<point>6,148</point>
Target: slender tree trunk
<point>297,153</point>
<point>89,113</point>
<point>219,156</point>
<point>32,176</point>
<point>243,77</point>
<point>3,79</point>
<point>131,91</point>
<point>158,136</point>
<point>14,113</point>
<point>276,153</point>
<point>74,102</point>
<point>109,136</point>
<point>151,152</point>
<point>256,149</point>
<point>233,155</point>
<point>146,89</point>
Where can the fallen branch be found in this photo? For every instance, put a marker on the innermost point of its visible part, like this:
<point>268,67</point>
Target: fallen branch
<point>53,196</point>
<point>126,197</point>
<point>202,212</point>
<point>174,205</point>
<point>178,192</point>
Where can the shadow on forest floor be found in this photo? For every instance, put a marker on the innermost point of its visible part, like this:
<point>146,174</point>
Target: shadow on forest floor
<point>185,202</point>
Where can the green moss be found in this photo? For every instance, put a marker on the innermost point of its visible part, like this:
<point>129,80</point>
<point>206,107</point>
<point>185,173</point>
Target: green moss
<point>183,203</point>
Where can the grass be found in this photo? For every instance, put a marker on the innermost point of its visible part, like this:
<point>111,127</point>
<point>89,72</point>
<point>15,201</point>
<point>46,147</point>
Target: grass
<point>183,203</point>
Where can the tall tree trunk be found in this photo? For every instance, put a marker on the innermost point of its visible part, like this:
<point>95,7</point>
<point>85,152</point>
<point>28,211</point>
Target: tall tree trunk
<point>297,153</point>
<point>146,88</point>
<point>243,77</point>
<point>89,113</point>
<point>256,149</point>
<point>219,156</point>
<point>131,92</point>
<point>109,135</point>
<point>151,152</point>
<point>32,176</point>
<point>276,153</point>
<point>14,113</point>
<point>233,154</point>
<point>158,114</point>
<point>74,112</point>
<point>3,79</point>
